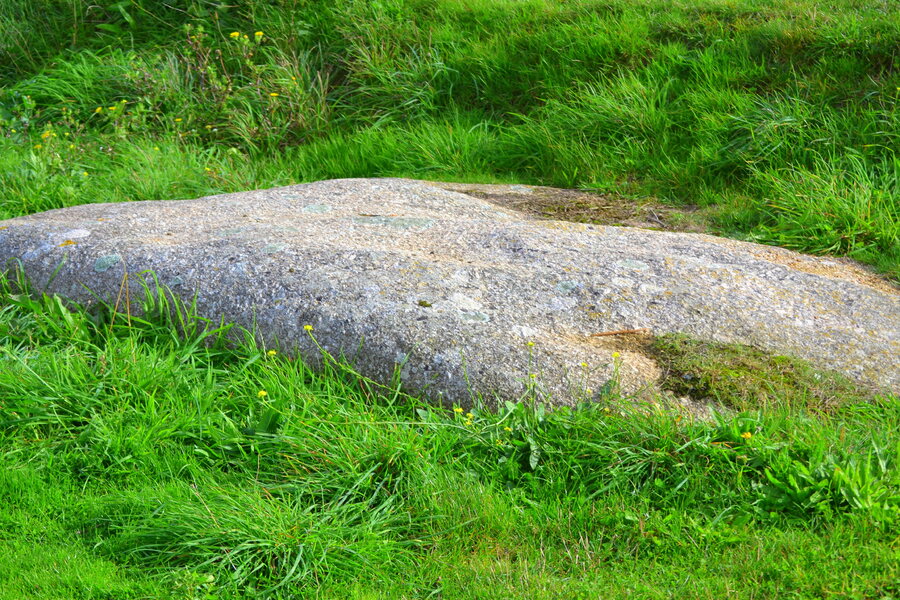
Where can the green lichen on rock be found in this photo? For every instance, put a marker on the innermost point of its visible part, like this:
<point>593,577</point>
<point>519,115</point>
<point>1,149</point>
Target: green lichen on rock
<point>741,377</point>
<point>104,263</point>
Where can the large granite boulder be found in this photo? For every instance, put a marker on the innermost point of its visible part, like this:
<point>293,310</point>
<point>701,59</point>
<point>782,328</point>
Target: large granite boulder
<point>465,296</point>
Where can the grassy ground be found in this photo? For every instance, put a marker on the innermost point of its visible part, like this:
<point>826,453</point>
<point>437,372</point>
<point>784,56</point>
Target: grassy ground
<point>143,464</point>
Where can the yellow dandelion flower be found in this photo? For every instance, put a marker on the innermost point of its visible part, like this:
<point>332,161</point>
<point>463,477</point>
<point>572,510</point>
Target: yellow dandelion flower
<point>458,410</point>
<point>271,353</point>
<point>99,109</point>
<point>178,119</point>
<point>530,344</point>
<point>234,34</point>
<point>156,148</point>
<point>274,94</point>
<point>467,423</point>
<point>499,442</point>
<point>258,34</point>
<point>507,429</point>
<point>746,435</point>
<point>307,328</point>
<point>533,375</point>
<point>45,135</point>
<point>470,416</point>
<point>38,146</point>
<point>85,173</point>
<point>123,101</point>
<point>71,146</point>
<point>616,355</point>
<point>113,107</point>
<point>262,394</point>
<point>584,365</point>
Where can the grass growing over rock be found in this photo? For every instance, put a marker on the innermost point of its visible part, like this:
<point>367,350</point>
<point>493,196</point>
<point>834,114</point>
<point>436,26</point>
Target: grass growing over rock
<point>143,463</point>
<point>743,378</point>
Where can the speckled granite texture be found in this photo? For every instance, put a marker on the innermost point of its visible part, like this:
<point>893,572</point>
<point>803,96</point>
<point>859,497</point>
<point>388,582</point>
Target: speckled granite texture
<point>465,296</point>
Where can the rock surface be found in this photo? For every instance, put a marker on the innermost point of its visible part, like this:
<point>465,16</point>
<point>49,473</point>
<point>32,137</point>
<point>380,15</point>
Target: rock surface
<point>464,295</point>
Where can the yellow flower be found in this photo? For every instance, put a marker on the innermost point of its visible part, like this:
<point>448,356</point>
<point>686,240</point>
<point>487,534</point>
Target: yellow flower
<point>533,375</point>
<point>467,423</point>
<point>156,147</point>
<point>458,410</point>
<point>616,355</point>
<point>507,429</point>
<point>584,365</point>
<point>113,107</point>
<point>746,435</point>
<point>98,109</point>
<point>530,344</point>
<point>71,146</point>
<point>271,353</point>
<point>258,34</point>
<point>45,135</point>
<point>262,394</point>
<point>123,101</point>
<point>274,94</point>
<point>178,119</point>
<point>499,442</point>
<point>234,34</point>
<point>470,416</point>
<point>85,173</point>
<point>307,328</point>
<point>38,146</point>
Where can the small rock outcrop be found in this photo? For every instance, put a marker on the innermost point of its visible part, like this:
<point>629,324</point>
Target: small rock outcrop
<point>463,296</point>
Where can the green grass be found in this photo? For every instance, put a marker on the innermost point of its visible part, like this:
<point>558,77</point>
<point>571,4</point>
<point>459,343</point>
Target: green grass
<point>141,463</point>
<point>141,459</point>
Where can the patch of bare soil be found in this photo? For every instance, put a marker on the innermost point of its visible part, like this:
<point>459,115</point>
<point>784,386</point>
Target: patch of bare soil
<point>579,206</point>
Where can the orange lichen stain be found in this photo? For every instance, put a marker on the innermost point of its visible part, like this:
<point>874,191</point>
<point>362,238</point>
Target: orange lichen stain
<point>4,227</point>
<point>66,243</point>
<point>563,226</point>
